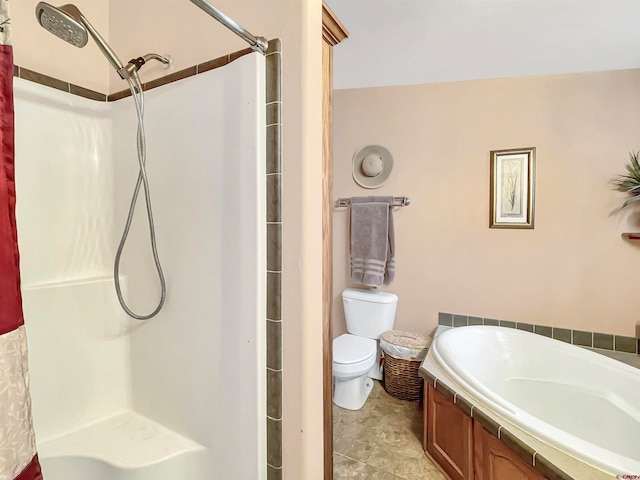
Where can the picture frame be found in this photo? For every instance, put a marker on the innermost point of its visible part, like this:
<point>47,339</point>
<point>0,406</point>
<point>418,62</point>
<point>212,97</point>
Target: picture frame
<point>512,189</point>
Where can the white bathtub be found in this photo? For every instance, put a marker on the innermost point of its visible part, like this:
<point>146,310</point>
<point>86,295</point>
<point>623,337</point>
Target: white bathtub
<point>575,400</point>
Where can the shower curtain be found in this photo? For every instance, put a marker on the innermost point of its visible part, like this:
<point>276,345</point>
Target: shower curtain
<point>18,458</point>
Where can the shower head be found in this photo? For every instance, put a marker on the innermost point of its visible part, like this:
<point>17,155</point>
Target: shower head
<point>68,23</point>
<point>64,22</point>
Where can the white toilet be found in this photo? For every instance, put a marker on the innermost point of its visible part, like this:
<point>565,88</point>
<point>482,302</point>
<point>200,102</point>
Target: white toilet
<point>356,354</point>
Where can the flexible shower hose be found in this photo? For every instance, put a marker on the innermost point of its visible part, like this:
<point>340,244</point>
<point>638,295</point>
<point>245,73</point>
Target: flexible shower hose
<point>138,97</point>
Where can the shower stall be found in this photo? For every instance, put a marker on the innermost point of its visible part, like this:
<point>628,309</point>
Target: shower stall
<point>181,395</point>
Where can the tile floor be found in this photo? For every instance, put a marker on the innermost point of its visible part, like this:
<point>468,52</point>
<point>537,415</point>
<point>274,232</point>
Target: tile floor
<point>381,441</point>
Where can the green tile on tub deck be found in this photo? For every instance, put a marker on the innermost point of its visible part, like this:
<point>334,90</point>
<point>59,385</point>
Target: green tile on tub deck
<point>505,323</point>
<point>427,377</point>
<point>521,449</point>
<point>527,327</point>
<point>491,322</point>
<point>489,424</point>
<point>549,470</point>
<point>447,392</point>
<point>445,319</point>
<point>603,340</point>
<point>460,321</point>
<point>463,404</point>
<point>583,339</point>
<point>562,334</point>
<point>543,330</point>
<point>625,344</point>
<point>475,321</point>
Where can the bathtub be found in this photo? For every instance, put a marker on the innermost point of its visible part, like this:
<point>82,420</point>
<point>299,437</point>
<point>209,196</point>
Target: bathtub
<point>577,401</point>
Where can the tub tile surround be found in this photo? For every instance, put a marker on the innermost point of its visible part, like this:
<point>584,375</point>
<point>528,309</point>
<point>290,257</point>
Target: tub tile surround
<point>551,463</point>
<point>273,216</point>
<point>523,445</point>
<point>602,341</point>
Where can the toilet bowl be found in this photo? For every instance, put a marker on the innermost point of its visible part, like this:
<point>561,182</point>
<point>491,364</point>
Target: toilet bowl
<point>353,357</point>
<point>368,314</point>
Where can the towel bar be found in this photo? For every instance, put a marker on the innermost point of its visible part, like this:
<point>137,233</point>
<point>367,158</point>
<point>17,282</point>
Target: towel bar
<point>397,202</point>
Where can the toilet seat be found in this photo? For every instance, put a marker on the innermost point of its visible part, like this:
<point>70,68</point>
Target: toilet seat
<point>350,349</point>
<point>353,357</point>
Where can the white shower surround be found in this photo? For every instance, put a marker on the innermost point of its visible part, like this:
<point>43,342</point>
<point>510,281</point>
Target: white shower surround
<point>198,367</point>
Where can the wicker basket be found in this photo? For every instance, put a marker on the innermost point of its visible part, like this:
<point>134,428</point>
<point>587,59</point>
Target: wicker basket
<point>402,353</point>
<point>401,379</point>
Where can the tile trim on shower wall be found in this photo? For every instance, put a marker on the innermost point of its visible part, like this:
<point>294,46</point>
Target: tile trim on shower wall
<point>52,82</point>
<point>604,341</point>
<point>274,260</point>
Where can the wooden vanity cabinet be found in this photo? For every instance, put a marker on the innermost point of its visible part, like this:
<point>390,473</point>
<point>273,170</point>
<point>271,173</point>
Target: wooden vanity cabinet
<point>495,461</point>
<point>448,435</point>
<point>463,449</point>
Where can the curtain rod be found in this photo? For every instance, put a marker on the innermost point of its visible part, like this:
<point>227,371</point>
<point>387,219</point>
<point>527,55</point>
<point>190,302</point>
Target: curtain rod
<point>258,44</point>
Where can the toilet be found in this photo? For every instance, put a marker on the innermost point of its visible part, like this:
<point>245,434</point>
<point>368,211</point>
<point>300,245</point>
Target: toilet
<point>356,355</point>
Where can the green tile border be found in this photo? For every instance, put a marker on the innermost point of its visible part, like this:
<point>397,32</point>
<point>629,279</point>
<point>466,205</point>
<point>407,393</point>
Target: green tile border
<point>274,188</point>
<point>47,81</point>
<point>582,338</point>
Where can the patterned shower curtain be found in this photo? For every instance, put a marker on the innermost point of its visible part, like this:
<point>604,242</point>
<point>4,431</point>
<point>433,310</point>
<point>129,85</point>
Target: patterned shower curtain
<point>18,458</point>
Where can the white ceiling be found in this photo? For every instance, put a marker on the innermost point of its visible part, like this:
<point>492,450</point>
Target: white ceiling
<point>398,42</point>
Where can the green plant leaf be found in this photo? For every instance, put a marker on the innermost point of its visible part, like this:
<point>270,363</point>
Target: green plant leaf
<point>629,183</point>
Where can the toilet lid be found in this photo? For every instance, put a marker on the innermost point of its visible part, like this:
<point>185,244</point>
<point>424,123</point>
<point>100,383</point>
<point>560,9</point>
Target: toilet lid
<point>352,349</point>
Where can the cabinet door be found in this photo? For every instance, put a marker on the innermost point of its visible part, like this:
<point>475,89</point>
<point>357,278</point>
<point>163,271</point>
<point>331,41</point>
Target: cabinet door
<point>449,436</point>
<point>495,461</point>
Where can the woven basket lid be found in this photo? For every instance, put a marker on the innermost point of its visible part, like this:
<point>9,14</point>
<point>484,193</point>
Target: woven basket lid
<point>411,340</point>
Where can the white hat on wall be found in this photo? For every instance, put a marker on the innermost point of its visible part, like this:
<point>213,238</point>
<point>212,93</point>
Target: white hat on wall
<point>372,166</point>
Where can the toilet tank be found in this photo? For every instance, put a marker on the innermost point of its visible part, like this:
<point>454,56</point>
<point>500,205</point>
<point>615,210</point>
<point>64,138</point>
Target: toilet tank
<point>369,313</point>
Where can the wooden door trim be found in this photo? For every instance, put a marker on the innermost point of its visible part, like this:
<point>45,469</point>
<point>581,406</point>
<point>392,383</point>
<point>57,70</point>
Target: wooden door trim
<point>333,32</point>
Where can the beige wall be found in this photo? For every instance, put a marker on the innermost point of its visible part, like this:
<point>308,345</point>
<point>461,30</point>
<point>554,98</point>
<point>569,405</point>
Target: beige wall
<point>573,270</point>
<point>184,31</point>
<point>190,36</point>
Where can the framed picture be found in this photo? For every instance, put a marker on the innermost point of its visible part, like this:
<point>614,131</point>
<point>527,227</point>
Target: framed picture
<point>512,188</point>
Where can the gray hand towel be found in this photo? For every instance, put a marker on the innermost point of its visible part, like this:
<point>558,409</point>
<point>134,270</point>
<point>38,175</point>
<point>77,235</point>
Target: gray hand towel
<point>372,240</point>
